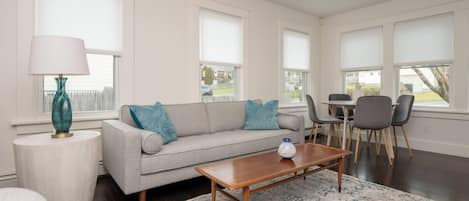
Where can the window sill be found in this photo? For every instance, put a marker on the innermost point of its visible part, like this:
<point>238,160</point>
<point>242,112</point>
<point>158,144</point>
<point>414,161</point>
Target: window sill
<point>441,113</point>
<point>44,121</point>
<point>292,106</point>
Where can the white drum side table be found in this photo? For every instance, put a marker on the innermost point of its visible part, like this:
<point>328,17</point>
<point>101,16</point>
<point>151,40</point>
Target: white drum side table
<point>19,194</point>
<point>59,169</point>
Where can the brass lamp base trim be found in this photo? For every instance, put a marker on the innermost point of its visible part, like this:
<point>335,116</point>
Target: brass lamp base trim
<point>62,135</point>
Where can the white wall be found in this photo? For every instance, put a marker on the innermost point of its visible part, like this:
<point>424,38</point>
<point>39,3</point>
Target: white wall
<point>166,44</point>
<point>8,85</point>
<point>442,131</point>
<point>160,45</point>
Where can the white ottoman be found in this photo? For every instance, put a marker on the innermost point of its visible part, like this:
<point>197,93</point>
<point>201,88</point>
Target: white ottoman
<point>19,194</point>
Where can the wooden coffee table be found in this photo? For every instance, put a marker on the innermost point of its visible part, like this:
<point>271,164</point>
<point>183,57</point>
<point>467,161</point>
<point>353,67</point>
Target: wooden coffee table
<point>243,172</point>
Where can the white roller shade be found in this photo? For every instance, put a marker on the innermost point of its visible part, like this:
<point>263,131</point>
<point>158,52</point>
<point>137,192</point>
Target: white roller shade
<point>98,23</point>
<point>221,37</point>
<point>428,39</point>
<point>296,50</point>
<point>362,48</point>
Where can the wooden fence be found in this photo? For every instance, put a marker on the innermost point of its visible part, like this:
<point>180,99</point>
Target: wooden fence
<point>85,100</point>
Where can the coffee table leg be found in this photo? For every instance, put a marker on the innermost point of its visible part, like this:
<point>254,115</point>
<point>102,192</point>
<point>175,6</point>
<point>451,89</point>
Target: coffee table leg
<point>339,173</point>
<point>214,190</point>
<point>246,193</point>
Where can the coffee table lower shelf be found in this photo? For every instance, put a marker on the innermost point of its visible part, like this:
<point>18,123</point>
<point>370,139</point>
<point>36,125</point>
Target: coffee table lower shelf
<point>247,191</point>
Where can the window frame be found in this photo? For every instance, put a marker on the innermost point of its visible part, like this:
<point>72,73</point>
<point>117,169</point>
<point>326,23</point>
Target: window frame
<point>424,63</point>
<point>352,70</point>
<point>433,64</point>
<point>116,59</point>
<point>283,69</point>
<point>238,67</point>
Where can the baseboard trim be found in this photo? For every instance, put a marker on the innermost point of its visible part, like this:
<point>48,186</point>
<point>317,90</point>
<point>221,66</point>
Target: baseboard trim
<point>452,149</point>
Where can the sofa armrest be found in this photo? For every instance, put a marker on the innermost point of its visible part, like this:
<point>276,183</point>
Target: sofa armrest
<point>293,122</point>
<point>122,152</point>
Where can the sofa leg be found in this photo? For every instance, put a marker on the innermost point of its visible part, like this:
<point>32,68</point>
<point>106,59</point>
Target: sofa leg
<point>142,196</point>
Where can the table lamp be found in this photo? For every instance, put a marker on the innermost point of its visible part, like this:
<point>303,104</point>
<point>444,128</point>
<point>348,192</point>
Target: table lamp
<point>57,55</point>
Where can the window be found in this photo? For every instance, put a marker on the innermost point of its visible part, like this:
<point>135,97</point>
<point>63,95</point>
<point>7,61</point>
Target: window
<point>361,61</point>
<point>296,65</point>
<point>363,83</point>
<point>429,84</point>
<point>423,52</point>
<point>221,50</point>
<point>99,24</point>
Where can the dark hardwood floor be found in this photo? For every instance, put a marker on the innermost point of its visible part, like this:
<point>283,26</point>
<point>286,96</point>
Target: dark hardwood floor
<point>435,176</point>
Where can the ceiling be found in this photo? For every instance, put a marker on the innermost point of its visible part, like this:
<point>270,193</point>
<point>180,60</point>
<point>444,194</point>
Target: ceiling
<point>324,8</point>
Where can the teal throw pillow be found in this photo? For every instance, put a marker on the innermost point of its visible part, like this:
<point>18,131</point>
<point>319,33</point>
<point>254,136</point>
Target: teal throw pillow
<point>261,117</point>
<point>154,118</point>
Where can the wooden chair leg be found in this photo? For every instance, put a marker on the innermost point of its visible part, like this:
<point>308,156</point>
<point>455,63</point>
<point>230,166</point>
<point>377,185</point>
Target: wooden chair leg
<point>350,137</point>
<point>357,144</point>
<point>368,133</point>
<point>337,134</point>
<point>315,133</point>
<point>328,143</point>
<point>375,135</point>
<point>142,196</point>
<point>378,150</point>
<point>395,137</point>
<point>312,131</point>
<point>332,132</point>
<point>404,132</point>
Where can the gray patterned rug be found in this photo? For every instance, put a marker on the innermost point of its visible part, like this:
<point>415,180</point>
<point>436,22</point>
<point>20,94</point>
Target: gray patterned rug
<point>323,186</point>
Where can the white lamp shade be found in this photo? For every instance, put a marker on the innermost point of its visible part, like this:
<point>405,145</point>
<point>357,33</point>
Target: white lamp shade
<point>52,55</point>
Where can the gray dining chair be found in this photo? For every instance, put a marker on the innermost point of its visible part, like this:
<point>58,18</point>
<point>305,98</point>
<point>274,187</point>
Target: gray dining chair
<point>401,116</point>
<point>339,112</point>
<point>372,113</point>
<point>317,121</point>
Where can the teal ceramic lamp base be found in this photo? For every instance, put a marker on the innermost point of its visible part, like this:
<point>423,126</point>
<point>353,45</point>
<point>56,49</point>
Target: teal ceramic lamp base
<point>61,110</point>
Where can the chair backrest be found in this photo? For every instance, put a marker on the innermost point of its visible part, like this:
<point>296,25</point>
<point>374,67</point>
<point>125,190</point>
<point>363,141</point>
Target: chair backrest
<point>373,112</point>
<point>402,111</point>
<point>340,97</point>
<point>311,109</point>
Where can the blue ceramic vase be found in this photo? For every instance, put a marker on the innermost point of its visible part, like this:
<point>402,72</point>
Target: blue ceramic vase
<point>61,108</point>
<point>286,149</point>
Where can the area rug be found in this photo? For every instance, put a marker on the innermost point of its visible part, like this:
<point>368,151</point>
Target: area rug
<point>323,186</point>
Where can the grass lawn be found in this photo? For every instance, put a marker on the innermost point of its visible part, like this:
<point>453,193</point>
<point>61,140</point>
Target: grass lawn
<point>223,91</point>
<point>427,97</point>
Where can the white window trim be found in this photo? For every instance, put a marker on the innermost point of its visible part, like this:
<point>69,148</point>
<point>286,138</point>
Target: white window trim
<point>195,26</point>
<point>116,57</point>
<point>29,112</point>
<point>360,69</point>
<point>399,66</point>
<point>289,26</point>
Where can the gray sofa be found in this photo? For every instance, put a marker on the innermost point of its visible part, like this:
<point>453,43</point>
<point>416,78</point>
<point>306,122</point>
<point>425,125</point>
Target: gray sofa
<point>207,132</point>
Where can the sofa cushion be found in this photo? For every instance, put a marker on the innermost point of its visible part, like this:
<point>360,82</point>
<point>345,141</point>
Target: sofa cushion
<point>225,116</point>
<point>126,117</point>
<point>261,116</point>
<point>189,119</point>
<point>199,149</point>
<point>180,115</point>
<point>154,118</point>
